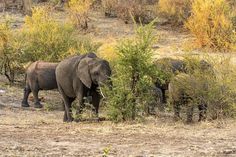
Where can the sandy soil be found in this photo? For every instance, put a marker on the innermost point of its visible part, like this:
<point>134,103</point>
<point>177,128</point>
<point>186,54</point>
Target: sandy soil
<point>39,132</point>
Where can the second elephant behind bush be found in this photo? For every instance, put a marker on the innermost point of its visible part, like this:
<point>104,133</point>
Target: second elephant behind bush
<point>188,91</point>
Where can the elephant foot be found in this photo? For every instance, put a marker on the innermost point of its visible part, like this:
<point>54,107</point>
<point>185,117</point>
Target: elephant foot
<point>189,120</point>
<point>38,105</point>
<point>68,120</point>
<point>202,119</point>
<point>177,117</point>
<point>25,104</point>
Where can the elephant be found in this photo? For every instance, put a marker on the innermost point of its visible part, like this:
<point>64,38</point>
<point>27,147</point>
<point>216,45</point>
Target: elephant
<point>79,75</point>
<point>169,67</point>
<point>39,76</point>
<point>156,102</point>
<point>183,88</point>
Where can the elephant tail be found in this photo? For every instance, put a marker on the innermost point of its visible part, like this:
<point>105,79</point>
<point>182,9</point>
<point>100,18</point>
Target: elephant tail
<point>25,78</point>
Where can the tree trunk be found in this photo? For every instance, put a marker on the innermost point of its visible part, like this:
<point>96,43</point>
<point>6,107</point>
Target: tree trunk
<point>27,5</point>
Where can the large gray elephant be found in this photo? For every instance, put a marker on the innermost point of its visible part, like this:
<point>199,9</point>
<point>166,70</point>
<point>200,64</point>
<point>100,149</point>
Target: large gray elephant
<point>79,75</point>
<point>39,76</point>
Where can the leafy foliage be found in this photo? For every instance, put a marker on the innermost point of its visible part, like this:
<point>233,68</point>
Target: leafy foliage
<point>79,12</point>
<point>40,38</point>
<point>133,76</point>
<point>45,38</point>
<point>9,51</point>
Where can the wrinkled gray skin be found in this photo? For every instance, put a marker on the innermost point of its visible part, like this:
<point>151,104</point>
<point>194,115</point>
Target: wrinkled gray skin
<point>79,75</point>
<point>39,76</point>
<point>169,67</point>
<point>180,91</point>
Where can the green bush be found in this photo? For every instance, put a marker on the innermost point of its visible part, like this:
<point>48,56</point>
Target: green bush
<point>10,52</point>
<point>78,10</point>
<point>132,79</point>
<point>40,38</point>
<point>46,39</point>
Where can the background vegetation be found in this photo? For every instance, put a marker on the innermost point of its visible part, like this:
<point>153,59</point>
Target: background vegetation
<point>40,38</point>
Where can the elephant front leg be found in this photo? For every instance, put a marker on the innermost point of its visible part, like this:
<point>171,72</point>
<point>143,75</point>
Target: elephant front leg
<point>80,106</point>
<point>96,101</point>
<point>27,91</point>
<point>190,114</point>
<point>202,112</point>
<point>67,106</point>
<point>176,110</point>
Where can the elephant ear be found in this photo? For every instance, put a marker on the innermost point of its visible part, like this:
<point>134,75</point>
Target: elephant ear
<point>83,72</point>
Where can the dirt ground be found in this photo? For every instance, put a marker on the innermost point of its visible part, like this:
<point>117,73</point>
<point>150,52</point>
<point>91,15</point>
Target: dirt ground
<point>41,132</point>
<point>30,132</point>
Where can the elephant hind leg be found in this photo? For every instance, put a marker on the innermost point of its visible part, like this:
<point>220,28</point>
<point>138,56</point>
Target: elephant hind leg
<point>202,112</point>
<point>190,114</point>
<point>176,110</point>
<point>66,118</point>
<point>27,91</point>
<point>35,91</point>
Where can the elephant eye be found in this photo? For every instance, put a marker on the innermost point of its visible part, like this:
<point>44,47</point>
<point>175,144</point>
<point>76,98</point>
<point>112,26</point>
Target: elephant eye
<point>96,73</point>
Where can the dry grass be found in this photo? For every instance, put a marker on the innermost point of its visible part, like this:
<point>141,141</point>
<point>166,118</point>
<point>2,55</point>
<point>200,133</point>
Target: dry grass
<point>27,132</point>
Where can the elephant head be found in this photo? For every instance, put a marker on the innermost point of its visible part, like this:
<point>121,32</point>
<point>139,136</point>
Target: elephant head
<point>93,71</point>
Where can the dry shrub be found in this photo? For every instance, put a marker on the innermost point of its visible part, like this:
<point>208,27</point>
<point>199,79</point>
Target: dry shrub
<point>45,38</point>
<point>40,38</point>
<point>109,7</point>
<point>128,8</point>
<point>9,52</point>
<point>223,92</point>
<point>175,11</point>
<point>79,10</point>
<point>108,52</point>
<point>211,24</point>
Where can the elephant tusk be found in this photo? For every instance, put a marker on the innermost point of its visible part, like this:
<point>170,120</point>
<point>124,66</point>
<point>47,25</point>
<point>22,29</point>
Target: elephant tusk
<point>102,93</point>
